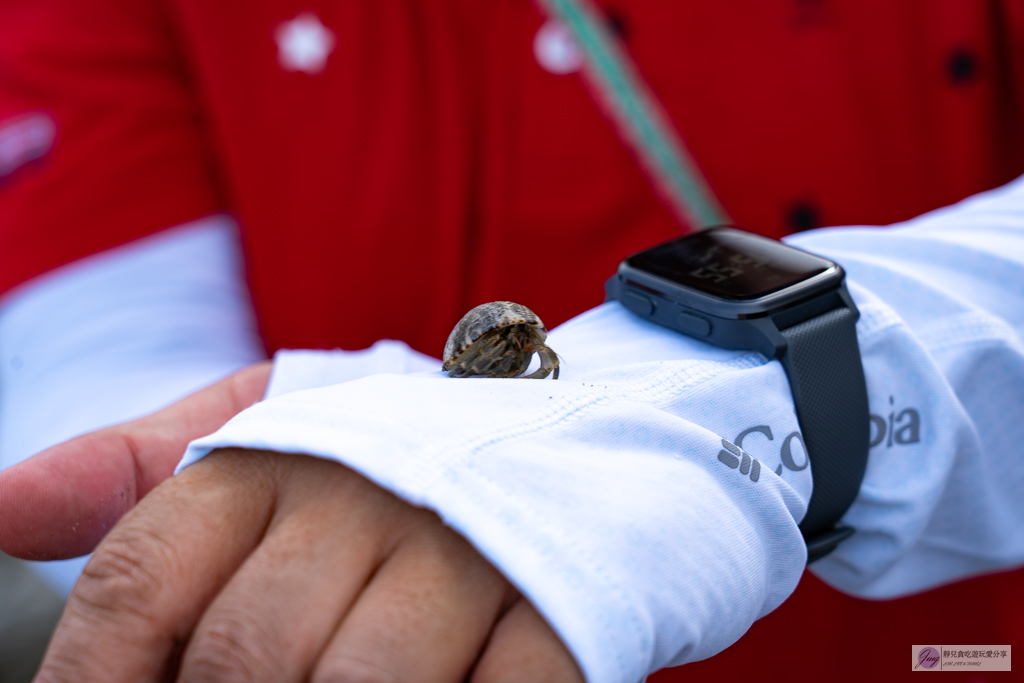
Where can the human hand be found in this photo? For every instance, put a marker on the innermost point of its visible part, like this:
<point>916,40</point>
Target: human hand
<point>60,503</point>
<point>258,566</point>
<point>272,567</point>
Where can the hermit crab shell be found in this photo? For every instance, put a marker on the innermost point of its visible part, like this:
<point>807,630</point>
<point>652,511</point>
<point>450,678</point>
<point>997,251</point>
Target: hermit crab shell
<point>484,318</point>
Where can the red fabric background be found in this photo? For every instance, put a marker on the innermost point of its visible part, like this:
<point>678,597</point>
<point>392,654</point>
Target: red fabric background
<point>434,165</point>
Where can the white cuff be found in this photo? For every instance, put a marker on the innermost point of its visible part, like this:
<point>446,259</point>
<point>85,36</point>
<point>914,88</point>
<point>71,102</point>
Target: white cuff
<point>298,369</point>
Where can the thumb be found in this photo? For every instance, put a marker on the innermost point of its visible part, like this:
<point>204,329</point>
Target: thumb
<point>61,502</point>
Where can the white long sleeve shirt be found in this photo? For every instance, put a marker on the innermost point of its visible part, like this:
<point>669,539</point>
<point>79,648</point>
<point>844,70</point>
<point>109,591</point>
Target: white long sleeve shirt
<point>601,494</point>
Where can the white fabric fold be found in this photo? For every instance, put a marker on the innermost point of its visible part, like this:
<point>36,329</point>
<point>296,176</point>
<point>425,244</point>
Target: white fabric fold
<point>603,497</point>
<point>298,369</point>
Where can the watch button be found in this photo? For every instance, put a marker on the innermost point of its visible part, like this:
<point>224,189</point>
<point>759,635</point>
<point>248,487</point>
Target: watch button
<point>694,326</point>
<point>638,303</point>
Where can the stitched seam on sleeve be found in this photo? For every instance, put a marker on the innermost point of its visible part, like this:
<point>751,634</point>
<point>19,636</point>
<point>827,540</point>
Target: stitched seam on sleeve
<point>678,378</point>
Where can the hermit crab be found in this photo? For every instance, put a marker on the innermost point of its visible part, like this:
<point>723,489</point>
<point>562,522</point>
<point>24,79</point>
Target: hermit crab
<point>498,340</point>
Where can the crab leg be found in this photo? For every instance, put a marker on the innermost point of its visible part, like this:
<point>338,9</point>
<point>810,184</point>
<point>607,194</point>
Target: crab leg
<point>548,363</point>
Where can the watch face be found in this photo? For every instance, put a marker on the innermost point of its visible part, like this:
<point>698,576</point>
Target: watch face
<point>730,263</point>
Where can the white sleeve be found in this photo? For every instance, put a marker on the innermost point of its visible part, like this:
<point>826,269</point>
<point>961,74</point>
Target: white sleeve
<point>122,334</point>
<point>613,497</point>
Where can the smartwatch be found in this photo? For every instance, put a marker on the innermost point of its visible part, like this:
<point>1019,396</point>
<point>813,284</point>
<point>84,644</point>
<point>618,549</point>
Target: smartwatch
<point>738,290</point>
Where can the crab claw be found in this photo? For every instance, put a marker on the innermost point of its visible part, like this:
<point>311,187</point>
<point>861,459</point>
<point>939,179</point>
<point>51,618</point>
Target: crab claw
<point>548,364</point>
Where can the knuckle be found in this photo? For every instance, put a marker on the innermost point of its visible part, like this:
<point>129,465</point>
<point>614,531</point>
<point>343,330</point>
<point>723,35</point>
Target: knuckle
<point>58,668</point>
<point>126,572</point>
<point>350,670</point>
<point>229,650</point>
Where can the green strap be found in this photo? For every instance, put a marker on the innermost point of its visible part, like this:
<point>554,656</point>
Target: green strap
<point>639,116</point>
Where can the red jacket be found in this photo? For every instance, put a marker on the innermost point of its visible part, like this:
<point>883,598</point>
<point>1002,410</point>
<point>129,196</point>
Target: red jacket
<point>432,162</point>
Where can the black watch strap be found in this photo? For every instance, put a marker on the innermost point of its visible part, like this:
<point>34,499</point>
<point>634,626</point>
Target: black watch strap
<point>822,360</point>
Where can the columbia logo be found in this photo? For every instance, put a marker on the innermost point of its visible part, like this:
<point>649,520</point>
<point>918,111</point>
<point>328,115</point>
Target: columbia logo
<point>733,456</point>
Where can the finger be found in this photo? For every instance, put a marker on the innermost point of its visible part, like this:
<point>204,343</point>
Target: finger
<point>150,579</point>
<point>329,534</point>
<point>524,648</point>
<point>61,502</point>
<point>424,616</point>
